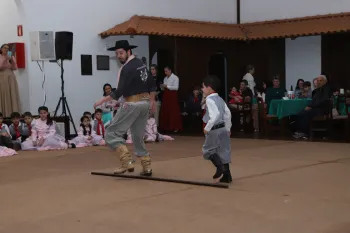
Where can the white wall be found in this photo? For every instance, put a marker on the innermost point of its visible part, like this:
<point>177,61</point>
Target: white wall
<point>258,10</point>
<point>303,59</point>
<point>86,19</point>
<point>10,19</point>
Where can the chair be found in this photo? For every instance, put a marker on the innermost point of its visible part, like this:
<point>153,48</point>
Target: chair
<point>322,123</point>
<point>342,101</point>
<point>192,123</point>
<point>243,110</point>
<point>265,126</point>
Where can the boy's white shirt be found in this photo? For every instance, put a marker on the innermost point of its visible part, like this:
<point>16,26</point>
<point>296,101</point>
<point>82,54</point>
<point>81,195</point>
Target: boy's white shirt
<point>214,113</point>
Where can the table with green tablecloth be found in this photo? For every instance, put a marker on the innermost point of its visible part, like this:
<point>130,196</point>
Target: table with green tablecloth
<point>341,106</point>
<point>284,108</point>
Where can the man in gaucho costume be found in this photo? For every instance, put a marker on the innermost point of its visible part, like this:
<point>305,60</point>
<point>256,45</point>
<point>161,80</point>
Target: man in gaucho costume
<point>138,88</point>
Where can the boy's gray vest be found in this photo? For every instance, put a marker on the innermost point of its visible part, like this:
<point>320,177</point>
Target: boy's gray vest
<point>220,104</point>
<point>23,129</point>
<point>94,128</point>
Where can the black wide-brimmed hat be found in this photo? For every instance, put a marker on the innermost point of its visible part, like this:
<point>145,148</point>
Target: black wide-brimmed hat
<point>122,44</point>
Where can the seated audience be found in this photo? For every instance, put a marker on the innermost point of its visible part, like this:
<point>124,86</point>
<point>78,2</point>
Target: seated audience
<point>299,88</point>
<point>99,127</point>
<point>151,132</point>
<point>275,92</point>
<point>318,107</point>
<point>245,97</point>
<point>314,82</point>
<point>193,104</point>
<point>246,94</point>
<point>28,120</point>
<point>19,131</point>
<point>5,151</point>
<point>86,135</point>
<point>89,115</point>
<point>44,135</point>
<point>5,136</point>
<point>235,96</point>
<point>306,91</point>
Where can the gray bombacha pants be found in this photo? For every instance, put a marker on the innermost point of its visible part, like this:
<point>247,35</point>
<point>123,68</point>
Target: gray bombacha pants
<point>218,142</point>
<point>133,116</point>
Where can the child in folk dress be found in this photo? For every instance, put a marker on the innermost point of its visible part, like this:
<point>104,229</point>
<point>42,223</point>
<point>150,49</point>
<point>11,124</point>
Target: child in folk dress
<point>99,127</point>
<point>4,151</point>
<point>44,136</point>
<point>19,131</point>
<point>5,136</point>
<point>151,132</point>
<point>5,140</point>
<point>217,145</point>
<point>86,135</point>
<point>28,121</point>
<point>89,115</point>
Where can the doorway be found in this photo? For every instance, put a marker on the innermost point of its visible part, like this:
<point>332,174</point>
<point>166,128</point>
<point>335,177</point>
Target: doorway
<point>218,67</point>
<point>165,58</point>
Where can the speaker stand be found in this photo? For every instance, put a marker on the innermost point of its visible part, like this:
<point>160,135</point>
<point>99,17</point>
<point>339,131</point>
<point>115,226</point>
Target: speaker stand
<point>63,101</point>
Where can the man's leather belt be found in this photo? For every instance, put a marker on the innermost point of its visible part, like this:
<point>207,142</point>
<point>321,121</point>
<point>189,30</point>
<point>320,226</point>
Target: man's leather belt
<point>218,126</point>
<point>138,97</point>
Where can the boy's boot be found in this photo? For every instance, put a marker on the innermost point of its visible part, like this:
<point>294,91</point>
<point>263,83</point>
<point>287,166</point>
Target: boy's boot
<point>215,159</point>
<point>226,178</point>
<point>146,165</point>
<point>125,160</point>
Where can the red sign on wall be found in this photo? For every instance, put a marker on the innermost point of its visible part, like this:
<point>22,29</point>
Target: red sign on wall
<point>19,30</point>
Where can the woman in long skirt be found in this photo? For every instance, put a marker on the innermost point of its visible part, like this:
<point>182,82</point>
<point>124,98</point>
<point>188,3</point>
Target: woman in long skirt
<point>170,115</point>
<point>9,94</point>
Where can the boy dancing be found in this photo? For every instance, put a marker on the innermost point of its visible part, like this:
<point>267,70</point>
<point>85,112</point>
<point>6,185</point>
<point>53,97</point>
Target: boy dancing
<point>217,117</point>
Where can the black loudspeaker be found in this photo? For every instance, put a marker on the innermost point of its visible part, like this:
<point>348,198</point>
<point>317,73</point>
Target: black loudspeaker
<point>64,45</point>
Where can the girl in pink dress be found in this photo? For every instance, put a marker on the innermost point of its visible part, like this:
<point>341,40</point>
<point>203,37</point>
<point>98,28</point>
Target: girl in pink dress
<point>86,135</point>
<point>44,136</point>
<point>151,133</point>
<point>4,151</point>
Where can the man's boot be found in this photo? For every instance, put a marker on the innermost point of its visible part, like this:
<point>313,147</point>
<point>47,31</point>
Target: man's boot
<point>227,178</point>
<point>125,159</point>
<point>146,165</point>
<point>215,159</point>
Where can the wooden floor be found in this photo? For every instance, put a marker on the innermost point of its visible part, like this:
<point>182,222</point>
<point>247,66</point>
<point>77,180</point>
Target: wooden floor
<point>279,186</point>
